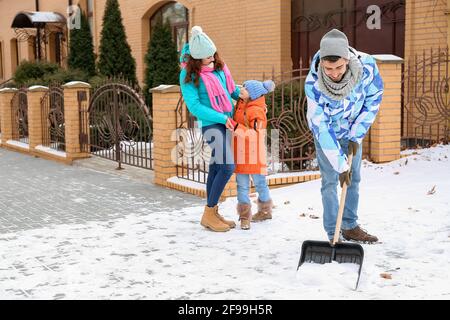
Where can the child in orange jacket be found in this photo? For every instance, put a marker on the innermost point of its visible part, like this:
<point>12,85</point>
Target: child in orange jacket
<point>250,151</point>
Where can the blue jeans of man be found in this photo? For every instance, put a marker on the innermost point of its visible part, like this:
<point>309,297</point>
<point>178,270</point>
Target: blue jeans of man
<point>330,180</point>
<point>221,165</point>
<point>243,187</point>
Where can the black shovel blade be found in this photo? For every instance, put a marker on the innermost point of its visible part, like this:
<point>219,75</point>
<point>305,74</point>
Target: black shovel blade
<point>323,252</point>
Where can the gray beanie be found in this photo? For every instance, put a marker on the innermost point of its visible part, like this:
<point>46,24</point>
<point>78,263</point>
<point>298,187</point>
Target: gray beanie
<point>334,43</point>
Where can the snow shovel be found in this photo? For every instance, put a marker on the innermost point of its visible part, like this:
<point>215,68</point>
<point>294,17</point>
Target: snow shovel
<point>324,252</point>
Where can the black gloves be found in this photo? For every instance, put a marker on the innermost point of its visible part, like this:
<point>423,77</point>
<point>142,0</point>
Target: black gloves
<point>345,177</point>
<point>352,147</point>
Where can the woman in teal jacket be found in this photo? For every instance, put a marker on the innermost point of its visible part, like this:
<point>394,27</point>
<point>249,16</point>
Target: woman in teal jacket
<point>208,88</point>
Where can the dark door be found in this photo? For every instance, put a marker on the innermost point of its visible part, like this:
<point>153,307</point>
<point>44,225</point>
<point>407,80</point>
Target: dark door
<point>311,19</point>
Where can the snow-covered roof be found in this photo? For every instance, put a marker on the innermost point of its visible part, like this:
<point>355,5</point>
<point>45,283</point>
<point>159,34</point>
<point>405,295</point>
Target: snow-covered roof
<point>30,19</point>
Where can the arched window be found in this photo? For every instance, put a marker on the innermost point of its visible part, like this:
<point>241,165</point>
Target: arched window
<point>177,16</point>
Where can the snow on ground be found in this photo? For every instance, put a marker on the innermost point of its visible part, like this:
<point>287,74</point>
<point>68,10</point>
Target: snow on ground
<point>168,255</point>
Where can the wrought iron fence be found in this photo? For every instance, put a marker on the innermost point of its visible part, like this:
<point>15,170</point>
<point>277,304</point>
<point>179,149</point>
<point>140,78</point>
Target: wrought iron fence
<point>117,125</point>
<point>290,146</point>
<point>19,116</point>
<point>287,107</point>
<point>425,99</point>
<point>192,151</point>
<point>6,83</point>
<point>52,117</point>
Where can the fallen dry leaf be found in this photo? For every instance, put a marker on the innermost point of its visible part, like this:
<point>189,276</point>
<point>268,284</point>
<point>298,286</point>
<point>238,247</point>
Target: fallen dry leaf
<point>302,215</point>
<point>432,191</point>
<point>386,276</point>
<point>313,216</point>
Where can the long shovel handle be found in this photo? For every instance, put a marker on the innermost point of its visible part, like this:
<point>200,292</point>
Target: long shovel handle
<point>341,206</point>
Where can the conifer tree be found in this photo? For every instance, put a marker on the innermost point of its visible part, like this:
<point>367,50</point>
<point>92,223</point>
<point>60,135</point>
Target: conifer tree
<point>115,52</point>
<point>161,60</point>
<point>81,55</point>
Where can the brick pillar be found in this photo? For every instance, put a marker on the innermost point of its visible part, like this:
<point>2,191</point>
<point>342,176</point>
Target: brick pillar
<point>76,97</point>
<point>35,94</point>
<point>385,136</point>
<point>6,96</point>
<point>165,100</point>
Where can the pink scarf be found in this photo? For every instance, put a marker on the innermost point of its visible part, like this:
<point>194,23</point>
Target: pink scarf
<point>219,99</point>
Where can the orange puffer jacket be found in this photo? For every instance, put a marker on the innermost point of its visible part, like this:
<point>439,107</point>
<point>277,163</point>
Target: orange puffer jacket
<point>249,137</point>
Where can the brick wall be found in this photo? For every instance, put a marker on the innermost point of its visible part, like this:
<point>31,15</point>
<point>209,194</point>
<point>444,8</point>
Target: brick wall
<point>385,132</point>
<point>426,30</point>
<point>426,25</point>
<point>251,36</point>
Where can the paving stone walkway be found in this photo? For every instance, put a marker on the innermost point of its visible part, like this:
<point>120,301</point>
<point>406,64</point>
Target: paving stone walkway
<point>35,192</point>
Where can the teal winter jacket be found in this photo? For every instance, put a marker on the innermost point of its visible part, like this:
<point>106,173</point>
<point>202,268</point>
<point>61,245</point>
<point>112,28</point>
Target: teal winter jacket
<point>198,102</point>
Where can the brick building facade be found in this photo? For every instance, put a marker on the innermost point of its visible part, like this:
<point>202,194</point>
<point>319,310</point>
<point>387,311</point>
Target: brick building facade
<point>253,36</point>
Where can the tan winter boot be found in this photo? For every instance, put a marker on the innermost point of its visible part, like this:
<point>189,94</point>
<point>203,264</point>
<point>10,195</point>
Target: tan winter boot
<point>211,221</point>
<point>264,211</point>
<point>245,215</point>
<point>229,223</point>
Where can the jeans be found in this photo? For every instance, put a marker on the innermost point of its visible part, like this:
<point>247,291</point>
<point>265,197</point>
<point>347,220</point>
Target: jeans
<point>330,180</point>
<point>243,187</point>
<point>221,165</point>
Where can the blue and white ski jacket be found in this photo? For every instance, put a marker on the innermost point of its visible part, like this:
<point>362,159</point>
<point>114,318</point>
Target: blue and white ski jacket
<point>351,118</point>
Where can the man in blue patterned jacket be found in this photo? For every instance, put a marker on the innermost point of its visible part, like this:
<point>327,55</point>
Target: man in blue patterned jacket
<point>344,91</point>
